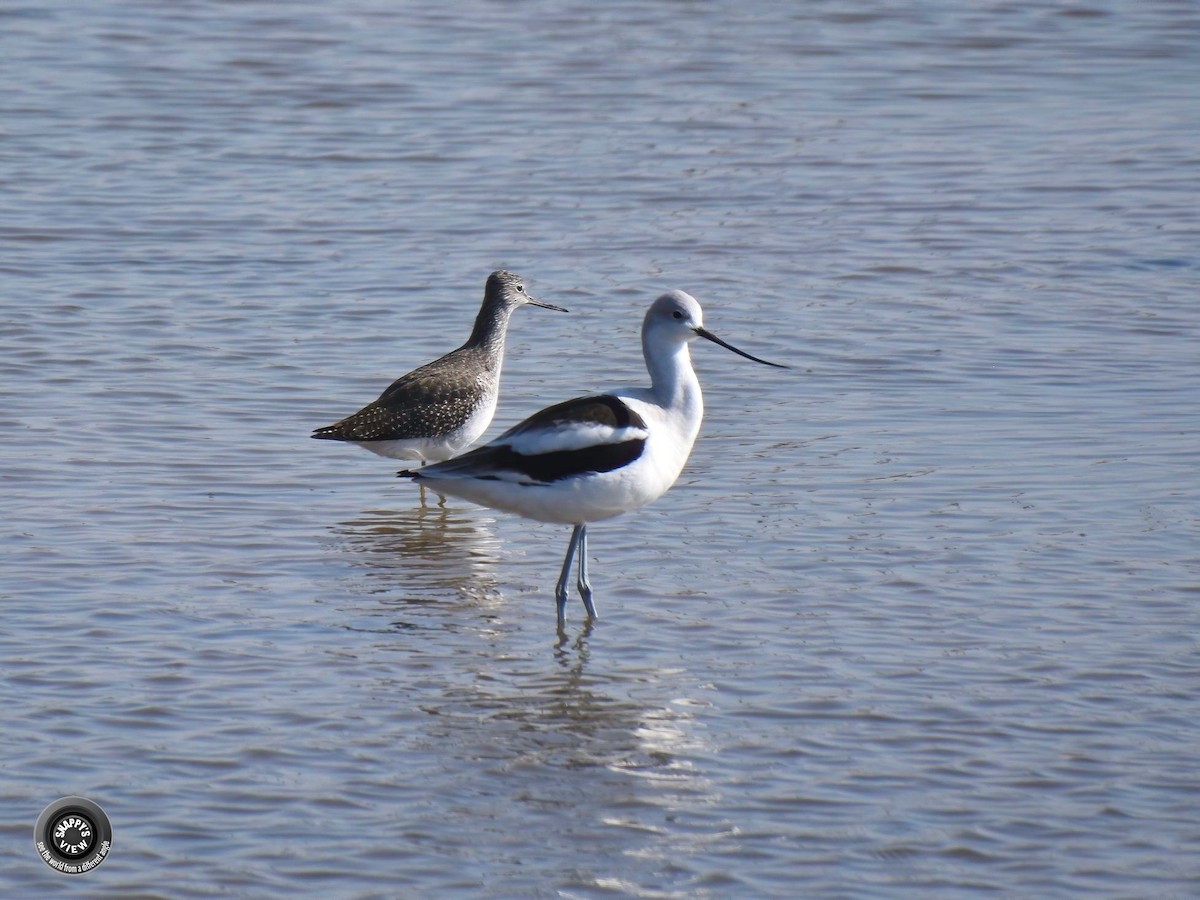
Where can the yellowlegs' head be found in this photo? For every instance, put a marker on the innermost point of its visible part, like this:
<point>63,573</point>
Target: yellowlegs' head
<point>508,289</point>
<point>676,317</point>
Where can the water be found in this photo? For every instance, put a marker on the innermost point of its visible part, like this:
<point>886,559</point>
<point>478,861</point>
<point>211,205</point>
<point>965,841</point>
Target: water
<point>920,618</point>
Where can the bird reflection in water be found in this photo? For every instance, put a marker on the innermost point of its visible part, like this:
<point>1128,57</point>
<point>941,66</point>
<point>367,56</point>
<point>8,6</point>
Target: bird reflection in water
<point>422,557</point>
<point>524,714</point>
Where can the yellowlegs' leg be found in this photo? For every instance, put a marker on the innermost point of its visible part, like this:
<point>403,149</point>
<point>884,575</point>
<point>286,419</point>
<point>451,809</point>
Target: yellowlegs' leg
<point>421,486</point>
<point>585,586</point>
<point>560,589</point>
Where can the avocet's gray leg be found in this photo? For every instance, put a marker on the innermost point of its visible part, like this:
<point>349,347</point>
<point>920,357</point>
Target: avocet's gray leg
<point>585,586</point>
<point>560,590</point>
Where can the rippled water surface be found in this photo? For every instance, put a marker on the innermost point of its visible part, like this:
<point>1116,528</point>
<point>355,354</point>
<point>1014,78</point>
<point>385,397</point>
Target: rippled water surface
<point>921,617</point>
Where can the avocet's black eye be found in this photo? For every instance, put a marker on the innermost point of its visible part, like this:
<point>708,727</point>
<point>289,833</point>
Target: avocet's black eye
<point>677,314</point>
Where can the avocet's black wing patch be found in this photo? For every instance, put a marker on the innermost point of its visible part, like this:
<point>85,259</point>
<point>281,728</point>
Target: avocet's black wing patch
<point>587,435</point>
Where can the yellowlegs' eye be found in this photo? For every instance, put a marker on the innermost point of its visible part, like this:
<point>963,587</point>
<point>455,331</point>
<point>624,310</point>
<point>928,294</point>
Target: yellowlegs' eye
<point>520,288</point>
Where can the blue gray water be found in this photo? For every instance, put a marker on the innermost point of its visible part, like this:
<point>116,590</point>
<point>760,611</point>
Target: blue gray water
<point>922,616</point>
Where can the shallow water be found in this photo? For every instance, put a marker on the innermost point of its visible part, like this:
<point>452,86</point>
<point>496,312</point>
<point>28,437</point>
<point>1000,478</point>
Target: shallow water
<point>921,616</point>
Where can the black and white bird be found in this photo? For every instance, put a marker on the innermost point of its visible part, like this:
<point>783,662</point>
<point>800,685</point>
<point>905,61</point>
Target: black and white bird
<point>436,411</point>
<point>598,456</point>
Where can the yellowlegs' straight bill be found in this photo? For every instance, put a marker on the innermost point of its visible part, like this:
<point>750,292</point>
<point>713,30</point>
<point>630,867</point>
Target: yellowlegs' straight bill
<point>435,411</point>
<point>595,457</point>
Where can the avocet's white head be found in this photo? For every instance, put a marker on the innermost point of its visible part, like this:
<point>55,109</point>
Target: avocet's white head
<point>675,319</point>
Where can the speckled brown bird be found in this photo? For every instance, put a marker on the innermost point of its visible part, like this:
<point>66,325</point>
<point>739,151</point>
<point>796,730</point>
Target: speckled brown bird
<point>435,411</point>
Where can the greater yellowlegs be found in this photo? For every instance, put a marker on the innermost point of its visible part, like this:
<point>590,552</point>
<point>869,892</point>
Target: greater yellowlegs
<point>595,457</point>
<point>435,411</point>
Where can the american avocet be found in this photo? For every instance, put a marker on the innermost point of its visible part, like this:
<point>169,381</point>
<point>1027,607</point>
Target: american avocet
<point>435,411</point>
<point>595,457</point>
